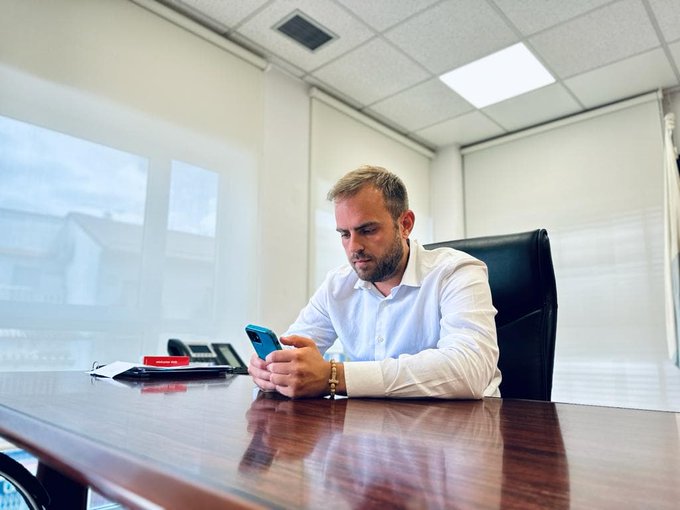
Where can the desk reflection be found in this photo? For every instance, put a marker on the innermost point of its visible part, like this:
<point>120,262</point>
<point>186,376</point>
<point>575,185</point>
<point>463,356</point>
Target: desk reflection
<point>535,468</point>
<point>168,385</point>
<point>401,454</point>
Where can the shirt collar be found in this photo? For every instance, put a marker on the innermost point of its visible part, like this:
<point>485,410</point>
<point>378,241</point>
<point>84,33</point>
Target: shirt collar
<point>411,277</point>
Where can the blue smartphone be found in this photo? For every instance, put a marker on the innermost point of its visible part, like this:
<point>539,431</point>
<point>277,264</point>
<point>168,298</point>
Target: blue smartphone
<point>264,340</point>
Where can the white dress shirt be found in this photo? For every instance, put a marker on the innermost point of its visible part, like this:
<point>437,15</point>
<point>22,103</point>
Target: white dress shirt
<point>434,335</point>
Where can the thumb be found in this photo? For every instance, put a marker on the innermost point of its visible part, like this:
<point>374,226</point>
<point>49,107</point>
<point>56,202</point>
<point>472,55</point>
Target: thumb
<point>298,341</point>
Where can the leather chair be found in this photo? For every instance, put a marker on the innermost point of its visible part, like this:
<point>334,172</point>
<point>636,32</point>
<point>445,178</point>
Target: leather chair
<point>28,487</point>
<point>522,281</point>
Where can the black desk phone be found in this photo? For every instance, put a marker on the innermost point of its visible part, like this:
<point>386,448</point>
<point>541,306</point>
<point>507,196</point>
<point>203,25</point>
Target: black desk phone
<point>213,354</point>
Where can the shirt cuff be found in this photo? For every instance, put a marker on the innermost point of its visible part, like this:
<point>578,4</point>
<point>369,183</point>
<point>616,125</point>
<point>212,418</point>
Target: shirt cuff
<point>364,379</point>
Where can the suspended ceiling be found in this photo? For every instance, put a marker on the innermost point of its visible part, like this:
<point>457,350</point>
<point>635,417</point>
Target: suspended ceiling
<point>386,55</point>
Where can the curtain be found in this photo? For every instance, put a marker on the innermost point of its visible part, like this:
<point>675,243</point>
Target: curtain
<point>125,150</point>
<point>672,243</point>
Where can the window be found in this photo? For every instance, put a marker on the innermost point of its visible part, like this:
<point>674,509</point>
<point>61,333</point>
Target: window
<point>91,139</point>
<point>190,248</point>
<point>72,213</point>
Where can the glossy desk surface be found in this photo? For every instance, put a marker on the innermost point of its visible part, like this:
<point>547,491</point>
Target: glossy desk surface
<point>212,444</point>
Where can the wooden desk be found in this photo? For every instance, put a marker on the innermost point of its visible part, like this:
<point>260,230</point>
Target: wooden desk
<point>210,444</point>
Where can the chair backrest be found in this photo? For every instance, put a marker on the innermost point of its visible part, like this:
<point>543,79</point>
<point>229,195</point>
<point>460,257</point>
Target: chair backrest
<point>522,281</point>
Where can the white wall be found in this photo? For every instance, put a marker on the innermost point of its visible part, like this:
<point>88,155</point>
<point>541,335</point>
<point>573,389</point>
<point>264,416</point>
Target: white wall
<point>446,195</point>
<point>284,202</point>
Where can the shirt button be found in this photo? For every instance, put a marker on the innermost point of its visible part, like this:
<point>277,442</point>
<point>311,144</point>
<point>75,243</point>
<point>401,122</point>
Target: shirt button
<point>379,339</point>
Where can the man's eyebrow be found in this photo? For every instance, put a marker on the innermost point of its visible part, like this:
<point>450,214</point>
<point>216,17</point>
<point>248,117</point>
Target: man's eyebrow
<point>368,224</point>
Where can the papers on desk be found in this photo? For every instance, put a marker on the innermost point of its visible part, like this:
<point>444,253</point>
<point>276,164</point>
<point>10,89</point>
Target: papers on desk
<point>125,370</point>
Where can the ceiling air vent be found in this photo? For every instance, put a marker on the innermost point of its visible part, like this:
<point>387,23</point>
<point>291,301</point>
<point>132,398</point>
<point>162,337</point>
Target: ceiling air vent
<point>302,29</point>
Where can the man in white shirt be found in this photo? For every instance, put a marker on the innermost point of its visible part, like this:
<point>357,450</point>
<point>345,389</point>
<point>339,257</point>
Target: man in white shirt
<point>413,322</point>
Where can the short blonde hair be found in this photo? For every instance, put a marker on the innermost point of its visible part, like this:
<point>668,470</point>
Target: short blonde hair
<point>392,187</point>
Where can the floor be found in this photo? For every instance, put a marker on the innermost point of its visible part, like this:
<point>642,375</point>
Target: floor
<point>642,385</point>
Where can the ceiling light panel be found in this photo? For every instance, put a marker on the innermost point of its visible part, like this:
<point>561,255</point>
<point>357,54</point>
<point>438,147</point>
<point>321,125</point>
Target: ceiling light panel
<point>499,76</point>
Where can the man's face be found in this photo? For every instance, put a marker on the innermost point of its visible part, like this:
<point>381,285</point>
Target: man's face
<point>374,243</point>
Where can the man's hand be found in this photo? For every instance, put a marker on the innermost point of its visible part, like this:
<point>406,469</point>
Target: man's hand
<point>296,373</point>
<point>257,368</point>
<point>300,372</point>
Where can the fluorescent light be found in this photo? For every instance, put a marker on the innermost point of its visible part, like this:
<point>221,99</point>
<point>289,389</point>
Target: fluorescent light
<point>499,76</point>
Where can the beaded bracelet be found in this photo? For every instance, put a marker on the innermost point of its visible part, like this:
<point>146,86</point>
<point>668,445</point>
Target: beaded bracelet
<point>333,381</point>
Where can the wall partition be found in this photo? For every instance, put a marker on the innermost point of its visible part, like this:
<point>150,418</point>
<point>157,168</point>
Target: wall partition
<point>595,182</point>
<point>128,184</point>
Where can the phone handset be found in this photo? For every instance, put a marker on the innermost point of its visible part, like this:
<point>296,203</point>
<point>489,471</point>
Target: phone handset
<point>177,348</point>
<point>198,353</point>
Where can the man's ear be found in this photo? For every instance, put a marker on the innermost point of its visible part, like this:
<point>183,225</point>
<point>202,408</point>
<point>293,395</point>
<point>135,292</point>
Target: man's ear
<point>406,223</point>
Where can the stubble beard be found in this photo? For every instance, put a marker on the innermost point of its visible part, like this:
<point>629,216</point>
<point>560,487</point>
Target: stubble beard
<point>386,267</point>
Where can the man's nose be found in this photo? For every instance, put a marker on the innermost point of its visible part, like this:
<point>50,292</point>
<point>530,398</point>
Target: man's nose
<point>354,244</point>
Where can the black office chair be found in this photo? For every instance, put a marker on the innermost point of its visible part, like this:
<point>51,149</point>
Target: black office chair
<point>27,486</point>
<point>522,281</point>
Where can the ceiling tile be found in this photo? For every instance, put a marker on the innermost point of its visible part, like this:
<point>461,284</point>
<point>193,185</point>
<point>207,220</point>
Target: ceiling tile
<point>667,13</point>
<point>337,94</point>
<point>463,130</point>
<point>623,79</point>
<point>387,122</point>
<point>351,32</point>
<point>423,105</point>
<point>382,14</point>
<point>531,16</point>
<point>601,37</point>
<point>532,108</point>
<point>472,29</point>
<point>227,12</point>
<point>371,72</point>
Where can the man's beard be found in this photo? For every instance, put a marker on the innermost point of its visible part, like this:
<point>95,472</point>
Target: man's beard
<point>385,267</point>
